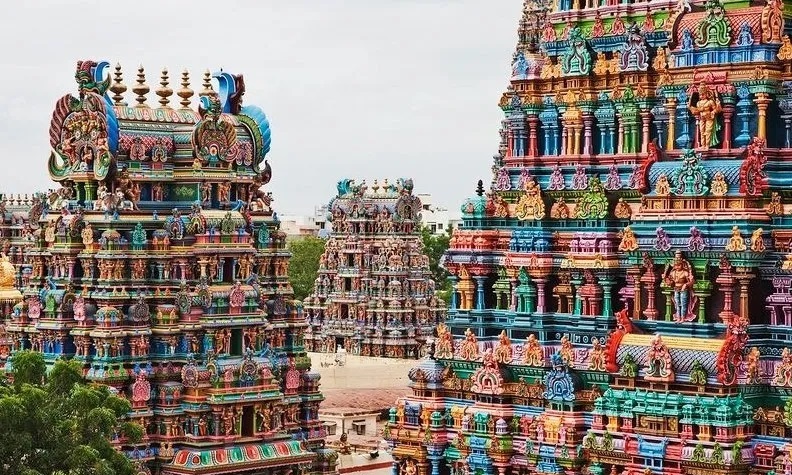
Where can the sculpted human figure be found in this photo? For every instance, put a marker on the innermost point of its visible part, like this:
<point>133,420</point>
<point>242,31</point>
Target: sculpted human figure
<point>679,276</point>
<point>707,109</point>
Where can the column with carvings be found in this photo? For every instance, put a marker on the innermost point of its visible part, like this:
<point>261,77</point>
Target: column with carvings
<point>588,134</point>
<point>645,119</point>
<point>480,282</point>
<point>744,116</point>
<point>540,293</point>
<point>762,101</point>
<point>682,117</point>
<point>649,279</point>
<point>728,113</point>
<point>744,279</point>
<point>725,280</point>
<point>533,136</point>
<point>453,280</point>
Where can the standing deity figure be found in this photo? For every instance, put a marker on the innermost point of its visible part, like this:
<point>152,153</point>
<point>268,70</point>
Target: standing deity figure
<point>679,276</point>
<point>706,110</point>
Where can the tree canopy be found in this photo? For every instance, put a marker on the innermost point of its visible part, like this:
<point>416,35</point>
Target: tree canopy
<point>435,245</point>
<point>304,264</point>
<point>56,424</point>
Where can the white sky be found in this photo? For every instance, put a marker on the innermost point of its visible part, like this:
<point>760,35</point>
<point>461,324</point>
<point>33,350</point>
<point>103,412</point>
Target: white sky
<point>353,88</point>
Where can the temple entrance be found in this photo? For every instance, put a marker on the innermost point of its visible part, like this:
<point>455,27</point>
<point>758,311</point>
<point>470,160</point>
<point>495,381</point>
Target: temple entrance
<point>248,421</point>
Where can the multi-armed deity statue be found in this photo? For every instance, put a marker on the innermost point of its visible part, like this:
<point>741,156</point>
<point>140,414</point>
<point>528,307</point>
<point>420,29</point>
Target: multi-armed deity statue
<point>158,264</point>
<point>642,324</point>
<point>374,294</point>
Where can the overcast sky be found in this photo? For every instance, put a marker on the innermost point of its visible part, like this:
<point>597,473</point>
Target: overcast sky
<point>353,88</point>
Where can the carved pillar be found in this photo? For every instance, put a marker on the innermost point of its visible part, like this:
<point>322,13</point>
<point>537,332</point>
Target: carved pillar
<point>649,278</point>
<point>513,305</point>
<point>762,102</point>
<point>576,281</point>
<point>577,130</point>
<point>533,142</point>
<point>611,139</point>
<point>588,124</point>
<point>744,280</point>
<point>480,302</point>
<point>620,146</point>
<point>540,294</point>
<point>728,112</point>
<point>645,118</point>
<point>635,272</point>
<point>564,139</point>
<point>726,282</point>
<point>510,143</point>
<point>607,304</point>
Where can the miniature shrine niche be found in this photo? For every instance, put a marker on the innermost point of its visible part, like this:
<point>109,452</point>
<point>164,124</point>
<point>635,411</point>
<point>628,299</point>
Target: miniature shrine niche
<point>374,294</point>
<point>621,288</point>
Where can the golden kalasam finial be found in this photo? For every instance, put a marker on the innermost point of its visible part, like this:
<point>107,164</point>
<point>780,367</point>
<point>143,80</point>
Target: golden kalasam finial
<point>207,84</point>
<point>118,88</point>
<point>164,92</point>
<point>141,88</point>
<point>185,92</point>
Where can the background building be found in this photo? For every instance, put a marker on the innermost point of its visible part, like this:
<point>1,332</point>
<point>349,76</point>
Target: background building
<point>438,219</point>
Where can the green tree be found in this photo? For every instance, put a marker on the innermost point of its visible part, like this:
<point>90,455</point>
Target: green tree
<point>435,245</point>
<point>58,424</point>
<point>304,264</point>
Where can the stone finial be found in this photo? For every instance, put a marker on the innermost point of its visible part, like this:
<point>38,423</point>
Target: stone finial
<point>118,88</point>
<point>185,93</point>
<point>141,88</point>
<point>164,92</point>
<point>207,84</point>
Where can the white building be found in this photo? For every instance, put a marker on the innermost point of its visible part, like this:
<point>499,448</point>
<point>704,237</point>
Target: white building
<point>438,219</point>
<point>306,225</point>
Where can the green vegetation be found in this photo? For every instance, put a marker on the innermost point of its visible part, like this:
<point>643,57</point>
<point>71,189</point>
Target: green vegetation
<point>304,264</point>
<point>57,424</point>
<point>435,245</point>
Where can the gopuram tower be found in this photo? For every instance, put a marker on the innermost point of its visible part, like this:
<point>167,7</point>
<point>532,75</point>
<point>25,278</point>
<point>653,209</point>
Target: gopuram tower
<point>622,289</point>
<point>374,294</point>
<point>159,265</point>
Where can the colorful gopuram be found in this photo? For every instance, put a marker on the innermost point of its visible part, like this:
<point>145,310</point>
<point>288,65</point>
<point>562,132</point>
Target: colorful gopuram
<point>622,291</point>
<point>374,294</point>
<point>158,264</point>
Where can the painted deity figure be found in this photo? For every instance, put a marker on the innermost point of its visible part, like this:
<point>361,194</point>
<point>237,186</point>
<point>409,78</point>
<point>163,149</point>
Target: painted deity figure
<point>622,210</point>
<point>736,242</point>
<point>706,110</point>
<point>663,186</point>
<point>556,179</point>
<point>530,206</point>
<point>757,241</point>
<point>775,208</point>
<point>719,187</point>
<point>597,360</point>
<point>659,363</point>
<point>503,352</point>
<point>680,278</point>
<point>469,349</point>
<point>628,241</point>
<point>752,366</point>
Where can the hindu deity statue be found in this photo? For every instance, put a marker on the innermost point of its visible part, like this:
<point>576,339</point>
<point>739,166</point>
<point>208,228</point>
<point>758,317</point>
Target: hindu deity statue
<point>736,242</point>
<point>757,241</point>
<point>503,352</point>
<point>530,205</point>
<point>663,186</point>
<point>719,187</point>
<point>680,278</point>
<point>560,210</point>
<point>775,208</point>
<point>622,210</point>
<point>469,349</point>
<point>532,352</point>
<point>706,110</point>
<point>628,241</point>
<point>659,363</point>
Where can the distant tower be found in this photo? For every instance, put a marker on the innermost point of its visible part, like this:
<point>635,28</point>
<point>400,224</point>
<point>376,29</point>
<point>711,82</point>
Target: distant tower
<point>374,294</point>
